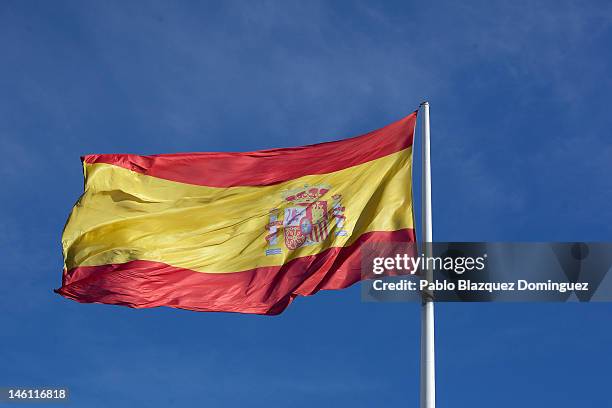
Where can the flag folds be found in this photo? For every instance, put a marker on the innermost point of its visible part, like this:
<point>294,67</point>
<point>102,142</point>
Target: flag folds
<point>236,232</point>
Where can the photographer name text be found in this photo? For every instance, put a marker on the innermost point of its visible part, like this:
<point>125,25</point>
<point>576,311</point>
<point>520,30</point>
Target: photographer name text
<point>468,285</point>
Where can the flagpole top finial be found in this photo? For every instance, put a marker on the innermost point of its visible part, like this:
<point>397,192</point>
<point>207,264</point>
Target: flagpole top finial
<point>424,103</point>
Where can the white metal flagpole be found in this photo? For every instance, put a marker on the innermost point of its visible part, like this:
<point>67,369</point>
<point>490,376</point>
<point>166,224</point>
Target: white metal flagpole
<point>428,366</point>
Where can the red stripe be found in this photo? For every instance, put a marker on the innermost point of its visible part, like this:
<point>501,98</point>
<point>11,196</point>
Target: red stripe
<point>269,290</point>
<point>267,167</point>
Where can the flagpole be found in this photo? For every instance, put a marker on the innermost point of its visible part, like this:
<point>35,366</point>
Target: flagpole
<point>428,368</point>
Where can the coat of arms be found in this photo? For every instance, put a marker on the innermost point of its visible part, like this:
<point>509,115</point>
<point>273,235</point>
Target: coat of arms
<point>304,218</point>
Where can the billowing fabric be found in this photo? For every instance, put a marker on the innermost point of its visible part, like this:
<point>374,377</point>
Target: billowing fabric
<point>236,232</point>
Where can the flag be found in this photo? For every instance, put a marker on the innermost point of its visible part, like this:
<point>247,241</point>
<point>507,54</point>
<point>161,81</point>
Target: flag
<point>236,232</point>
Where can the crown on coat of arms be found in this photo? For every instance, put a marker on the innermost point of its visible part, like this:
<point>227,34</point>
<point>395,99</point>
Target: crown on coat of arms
<point>305,195</point>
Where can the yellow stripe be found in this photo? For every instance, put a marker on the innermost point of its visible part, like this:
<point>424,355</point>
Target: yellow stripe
<point>124,216</point>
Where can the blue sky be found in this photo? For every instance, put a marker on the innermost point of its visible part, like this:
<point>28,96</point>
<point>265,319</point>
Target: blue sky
<point>520,97</point>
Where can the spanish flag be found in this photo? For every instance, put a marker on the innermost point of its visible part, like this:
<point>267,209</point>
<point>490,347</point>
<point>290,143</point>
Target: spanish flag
<point>236,232</point>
